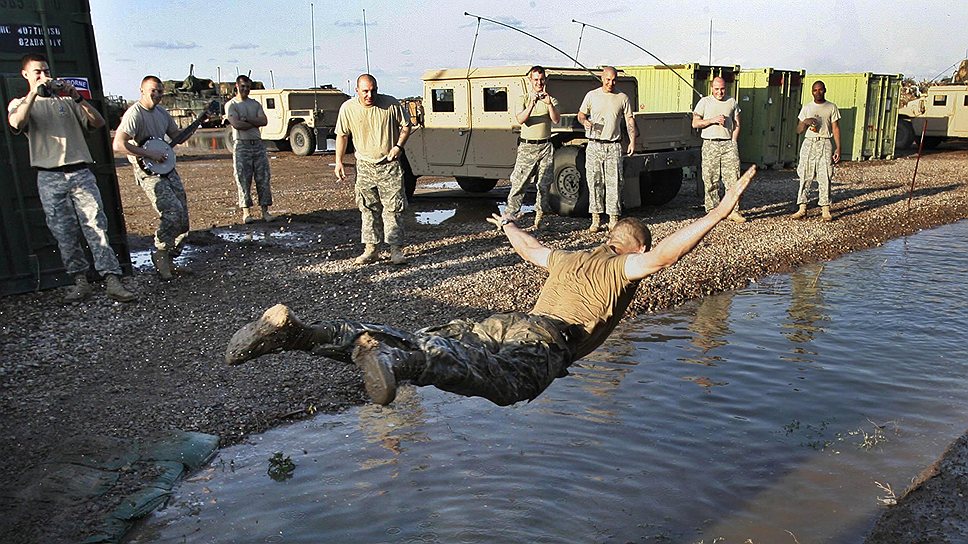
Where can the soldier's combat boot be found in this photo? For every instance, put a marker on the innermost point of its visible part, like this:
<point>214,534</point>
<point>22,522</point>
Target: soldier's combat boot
<point>276,330</point>
<point>116,290</point>
<point>80,290</point>
<point>736,217</point>
<point>538,219</point>
<point>800,213</point>
<point>383,366</point>
<point>612,221</point>
<point>247,216</point>
<point>162,261</point>
<point>369,255</point>
<point>266,216</point>
<point>397,256</point>
<point>596,222</point>
<point>825,213</point>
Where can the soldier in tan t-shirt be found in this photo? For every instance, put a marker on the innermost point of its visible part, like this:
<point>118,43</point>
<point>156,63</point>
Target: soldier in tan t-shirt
<point>249,156</point>
<point>508,357</point>
<point>819,122</point>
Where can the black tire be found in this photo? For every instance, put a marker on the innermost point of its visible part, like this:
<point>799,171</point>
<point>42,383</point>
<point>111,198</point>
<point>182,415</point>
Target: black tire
<point>409,179</point>
<point>904,136</point>
<point>283,145</point>
<point>931,142</point>
<point>302,140</point>
<point>659,187</point>
<point>568,194</point>
<point>476,185</point>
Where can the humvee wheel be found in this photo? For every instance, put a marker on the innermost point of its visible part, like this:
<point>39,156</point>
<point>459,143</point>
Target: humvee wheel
<point>658,187</point>
<point>931,142</point>
<point>302,140</point>
<point>904,137</point>
<point>568,194</point>
<point>476,185</point>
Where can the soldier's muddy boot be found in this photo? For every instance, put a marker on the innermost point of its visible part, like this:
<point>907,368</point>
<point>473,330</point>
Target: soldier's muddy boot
<point>825,213</point>
<point>247,216</point>
<point>278,329</point>
<point>612,221</point>
<point>538,219</point>
<point>383,366</point>
<point>736,217</point>
<point>116,290</point>
<point>266,216</point>
<point>162,261</point>
<point>800,213</point>
<point>369,255</point>
<point>396,255</point>
<point>596,222</point>
<point>80,291</point>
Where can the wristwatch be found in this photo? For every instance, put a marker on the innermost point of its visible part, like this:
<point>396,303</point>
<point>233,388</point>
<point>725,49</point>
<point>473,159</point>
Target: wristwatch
<point>79,99</point>
<point>506,220</point>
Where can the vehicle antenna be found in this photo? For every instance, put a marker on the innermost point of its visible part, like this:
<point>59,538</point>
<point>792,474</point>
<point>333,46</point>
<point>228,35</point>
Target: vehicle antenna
<point>924,128</point>
<point>710,42</point>
<point>647,52</point>
<point>477,32</point>
<point>943,72</point>
<point>312,27</point>
<point>366,46</point>
<point>479,18</point>
<point>272,80</point>
<point>580,34</point>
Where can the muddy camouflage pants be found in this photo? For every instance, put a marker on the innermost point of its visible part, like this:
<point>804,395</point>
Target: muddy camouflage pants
<point>603,171</point>
<point>167,196</point>
<point>815,164</point>
<point>505,358</point>
<point>250,161</point>
<point>720,164</point>
<point>381,199</point>
<point>534,162</point>
<point>73,208</point>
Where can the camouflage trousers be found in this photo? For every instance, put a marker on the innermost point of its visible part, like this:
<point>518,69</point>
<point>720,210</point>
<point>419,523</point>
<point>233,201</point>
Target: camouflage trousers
<point>815,164</point>
<point>73,208</point>
<point>720,164</point>
<point>381,198</point>
<point>250,161</point>
<point>603,170</point>
<point>535,164</point>
<point>167,196</point>
<point>505,358</point>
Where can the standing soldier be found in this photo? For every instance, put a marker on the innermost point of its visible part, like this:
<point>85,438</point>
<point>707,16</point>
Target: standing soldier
<point>601,113</point>
<point>718,117</point>
<point>68,191</point>
<point>535,158</point>
<point>249,154</point>
<point>817,156</point>
<point>380,127</point>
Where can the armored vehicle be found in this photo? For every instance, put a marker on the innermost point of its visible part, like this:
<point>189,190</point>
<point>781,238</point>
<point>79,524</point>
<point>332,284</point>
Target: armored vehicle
<point>185,99</point>
<point>465,128</point>
<point>299,119</point>
<point>941,113</point>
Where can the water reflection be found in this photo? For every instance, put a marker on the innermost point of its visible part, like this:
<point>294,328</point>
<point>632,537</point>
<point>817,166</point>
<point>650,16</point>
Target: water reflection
<point>806,310</point>
<point>710,326</point>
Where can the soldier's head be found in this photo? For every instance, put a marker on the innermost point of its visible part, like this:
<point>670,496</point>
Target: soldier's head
<point>819,92</point>
<point>538,79</point>
<point>243,85</point>
<point>608,78</point>
<point>630,235</point>
<point>719,88</point>
<point>151,91</point>
<point>366,89</point>
<point>34,68</point>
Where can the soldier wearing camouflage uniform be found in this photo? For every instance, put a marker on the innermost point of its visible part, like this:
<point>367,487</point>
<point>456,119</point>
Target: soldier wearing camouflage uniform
<point>507,357</point>
<point>249,156</point>
<point>601,113</point>
<point>718,117</point>
<point>379,126</point>
<point>143,120</point>
<point>535,159</point>
<point>819,122</point>
<point>68,190</point>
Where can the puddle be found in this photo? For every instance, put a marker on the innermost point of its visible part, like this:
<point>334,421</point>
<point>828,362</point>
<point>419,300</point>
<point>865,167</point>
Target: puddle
<point>441,185</point>
<point>286,238</point>
<point>434,217</point>
<point>141,260</point>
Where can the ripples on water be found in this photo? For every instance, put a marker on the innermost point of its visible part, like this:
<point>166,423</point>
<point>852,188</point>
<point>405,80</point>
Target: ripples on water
<point>764,414</point>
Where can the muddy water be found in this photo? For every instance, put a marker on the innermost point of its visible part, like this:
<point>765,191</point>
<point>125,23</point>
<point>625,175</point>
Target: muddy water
<point>765,414</point>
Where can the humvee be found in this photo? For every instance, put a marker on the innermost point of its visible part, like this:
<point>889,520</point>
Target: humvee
<point>299,118</point>
<point>941,113</point>
<point>465,128</point>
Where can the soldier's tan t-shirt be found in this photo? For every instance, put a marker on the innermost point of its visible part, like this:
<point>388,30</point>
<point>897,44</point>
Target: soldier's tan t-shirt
<point>589,289</point>
<point>606,111</point>
<point>141,123</point>
<point>249,109</point>
<point>375,129</point>
<point>55,132</point>
<point>708,107</point>
<point>826,113</point>
<point>538,124</point>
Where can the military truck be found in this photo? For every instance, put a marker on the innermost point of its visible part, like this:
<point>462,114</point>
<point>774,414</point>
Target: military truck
<point>941,112</point>
<point>300,119</point>
<point>465,128</point>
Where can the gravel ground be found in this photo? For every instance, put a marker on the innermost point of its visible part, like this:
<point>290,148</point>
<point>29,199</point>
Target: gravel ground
<point>128,371</point>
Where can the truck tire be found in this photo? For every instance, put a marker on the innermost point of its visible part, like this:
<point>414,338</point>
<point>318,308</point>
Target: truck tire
<point>931,142</point>
<point>283,145</point>
<point>409,179</point>
<point>658,187</point>
<point>476,185</point>
<point>568,194</point>
<point>302,140</point>
<point>904,137</point>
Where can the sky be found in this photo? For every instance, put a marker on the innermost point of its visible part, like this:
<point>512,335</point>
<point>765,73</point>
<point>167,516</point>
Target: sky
<point>273,41</point>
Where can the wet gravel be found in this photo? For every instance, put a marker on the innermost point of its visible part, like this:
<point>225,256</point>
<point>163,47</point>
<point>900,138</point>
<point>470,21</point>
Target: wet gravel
<point>128,370</point>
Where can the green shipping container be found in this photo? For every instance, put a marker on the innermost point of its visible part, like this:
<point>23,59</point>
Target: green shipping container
<point>769,99</point>
<point>62,30</point>
<point>662,91</point>
<point>868,111</point>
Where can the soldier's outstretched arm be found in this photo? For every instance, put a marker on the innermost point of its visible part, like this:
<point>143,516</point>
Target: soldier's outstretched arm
<point>525,245</point>
<point>673,247</point>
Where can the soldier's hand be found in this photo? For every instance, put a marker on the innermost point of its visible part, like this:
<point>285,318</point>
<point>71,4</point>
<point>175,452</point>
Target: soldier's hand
<point>497,219</point>
<point>720,119</point>
<point>733,193</point>
<point>394,154</point>
<point>340,173</point>
<point>631,148</point>
<point>836,157</point>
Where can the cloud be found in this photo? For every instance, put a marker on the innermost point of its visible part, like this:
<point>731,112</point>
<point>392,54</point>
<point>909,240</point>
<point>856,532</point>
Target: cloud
<point>406,52</point>
<point>284,53</point>
<point>243,46</point>
<point>167,45</point>
<point>355,23</point>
